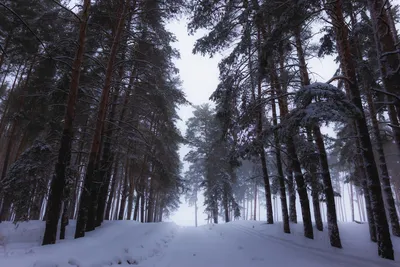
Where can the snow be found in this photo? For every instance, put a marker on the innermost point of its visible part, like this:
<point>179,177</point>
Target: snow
<point>235,244</point>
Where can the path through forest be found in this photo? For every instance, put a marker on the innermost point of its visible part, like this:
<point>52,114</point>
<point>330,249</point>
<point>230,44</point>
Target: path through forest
<point>236,244</point>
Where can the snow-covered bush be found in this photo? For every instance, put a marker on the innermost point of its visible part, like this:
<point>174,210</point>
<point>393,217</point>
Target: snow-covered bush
<point>27,179</point>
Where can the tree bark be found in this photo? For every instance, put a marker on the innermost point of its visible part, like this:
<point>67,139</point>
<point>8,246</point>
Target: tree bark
<point>255,201</point>
<point>386,183</point>
<point>351,201</point>
<point>292,193</point>
<point>386,48</point>
<point>113,189</point>
<point>385,247</point>
<point>195,211</point>
<point>124,193</point>
<point>333,228</point>
<point>86,197</point>
<point>281,178</point>
<point>226,203</point>
<point>130,196</point>
<point>295,165</point>
<point>260,115</point>
<point>95,189</point>
<point>64,154</point>
<point>150,201</point>
<point>360,168</point>
<point>385,180</point>
<point>142,202</point>
<point>136,211</point>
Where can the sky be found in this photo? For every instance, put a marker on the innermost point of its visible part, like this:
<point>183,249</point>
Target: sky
<point>200,78</point>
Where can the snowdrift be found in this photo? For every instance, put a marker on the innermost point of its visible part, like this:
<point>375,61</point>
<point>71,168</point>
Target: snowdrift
<point>235,244</point>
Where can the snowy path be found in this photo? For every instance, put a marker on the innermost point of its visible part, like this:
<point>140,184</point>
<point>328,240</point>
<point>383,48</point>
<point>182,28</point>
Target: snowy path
<point>237,244</point>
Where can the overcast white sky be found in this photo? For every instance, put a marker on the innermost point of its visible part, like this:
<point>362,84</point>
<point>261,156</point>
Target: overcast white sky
<point>200,78</point>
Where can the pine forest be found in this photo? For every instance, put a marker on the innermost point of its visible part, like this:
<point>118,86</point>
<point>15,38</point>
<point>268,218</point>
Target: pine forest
<point>89,112</point>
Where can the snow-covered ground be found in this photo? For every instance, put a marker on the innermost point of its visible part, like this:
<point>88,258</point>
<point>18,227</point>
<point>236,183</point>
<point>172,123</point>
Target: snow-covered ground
<point>236,244</point>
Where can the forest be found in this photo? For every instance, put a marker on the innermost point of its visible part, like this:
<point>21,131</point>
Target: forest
<point>89,100</point>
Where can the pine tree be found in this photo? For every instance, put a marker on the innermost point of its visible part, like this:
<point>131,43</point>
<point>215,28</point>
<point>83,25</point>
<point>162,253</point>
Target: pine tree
<point>385,248</point>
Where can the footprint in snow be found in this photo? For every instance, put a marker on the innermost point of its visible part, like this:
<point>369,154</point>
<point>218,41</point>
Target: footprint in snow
<point>240,247</point>
<point>130,260</point>
<point>73,262</point>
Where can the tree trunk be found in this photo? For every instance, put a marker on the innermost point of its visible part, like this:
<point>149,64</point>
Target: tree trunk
<point>328,190</point>
<point>247,209</point>
<point>108,155</point>
<point>113,189</point>
<point>255,201</point>
<point>64,219</point>
<point>260,115</point>
<point>295,163</point>
<point>76,187</point>
<point>386,184</point>
<point>195,211</point>
<point>333,228</point>
<point>385,180</point>
<point>315,188</point>
<point>302,191</point>
<point>281,178</point>
<point>352,201</point>
<point>226,203</point>
<point>142,202</point>
<point>136,211</point>
<point>385,247</point>
<point>298,175</point>
<point>292,193</point>
<point>386,46</point>
<point>95,189</point>
<point>86,197</point>
<point>124,193</point>
<point>130,196</point>
<point>116,202</point>
<point>64,154</point>
<point>363,179</point>
<point>363,210</point>
<point>215,212</point>
<point>150,201</point>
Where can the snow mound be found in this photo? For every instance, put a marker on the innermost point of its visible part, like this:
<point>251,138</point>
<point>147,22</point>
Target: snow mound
<point>114,243</point>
